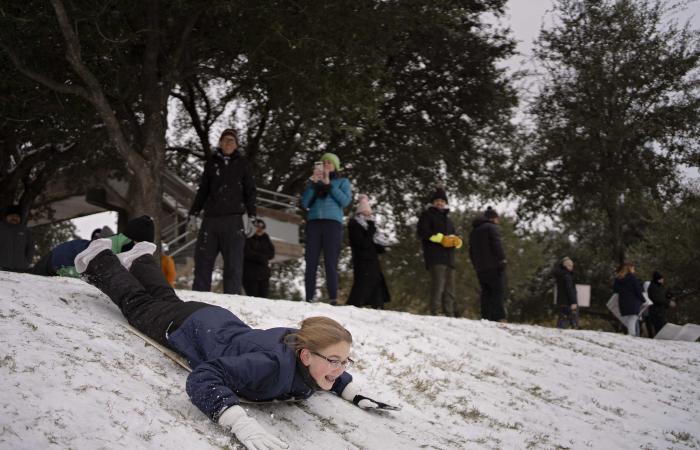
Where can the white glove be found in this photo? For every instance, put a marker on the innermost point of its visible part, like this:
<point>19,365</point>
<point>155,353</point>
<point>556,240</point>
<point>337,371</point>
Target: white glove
<point>248,430</point>
<point>351,391</point>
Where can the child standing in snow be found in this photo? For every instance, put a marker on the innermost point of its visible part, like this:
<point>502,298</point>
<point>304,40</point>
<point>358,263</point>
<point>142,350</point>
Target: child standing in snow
<point>230,361</point>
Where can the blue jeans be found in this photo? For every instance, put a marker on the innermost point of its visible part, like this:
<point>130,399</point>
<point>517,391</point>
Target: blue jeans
<point>326,236</point>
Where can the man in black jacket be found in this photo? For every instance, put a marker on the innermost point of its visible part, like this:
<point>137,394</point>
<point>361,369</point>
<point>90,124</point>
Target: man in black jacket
<point>661,303</point>
<point>437,234</point>
<point>489,261</point>
<point>566,294</point>
<point>226,192</point>
<point>259,251</point>
<point>16,244</point>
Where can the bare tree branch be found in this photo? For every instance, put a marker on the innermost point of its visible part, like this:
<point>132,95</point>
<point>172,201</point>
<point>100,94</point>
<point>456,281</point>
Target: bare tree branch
<point>43,79</point>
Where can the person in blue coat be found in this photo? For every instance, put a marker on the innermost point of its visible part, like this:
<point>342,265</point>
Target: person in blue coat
<point>629,289</point>
<point>325,197</point>
<point>230,361</point>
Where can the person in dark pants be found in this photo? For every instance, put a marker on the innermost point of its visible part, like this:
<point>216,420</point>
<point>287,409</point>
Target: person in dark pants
<point>16,244</point>
<point>567,300</point>
<point>368,286</point>
<point>661,303</point>
<point>259,251</point>
<point>325,196</point>
<point>489,261</point>
<point>631,298</point>
<point>226,192</point>
<point>232,362</point>
<point>437,235</point>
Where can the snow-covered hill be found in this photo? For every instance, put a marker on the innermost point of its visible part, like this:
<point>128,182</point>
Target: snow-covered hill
<point>74,377</point>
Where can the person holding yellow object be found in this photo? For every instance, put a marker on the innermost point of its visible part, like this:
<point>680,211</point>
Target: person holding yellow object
<point>437,234</point>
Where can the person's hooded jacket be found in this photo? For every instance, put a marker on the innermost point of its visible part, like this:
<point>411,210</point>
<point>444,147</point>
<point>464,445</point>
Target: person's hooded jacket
<point>326,202</point>
<point>231,361</point>
<point>431,222</point>
<point>485,246</point>
<point>227,187</point>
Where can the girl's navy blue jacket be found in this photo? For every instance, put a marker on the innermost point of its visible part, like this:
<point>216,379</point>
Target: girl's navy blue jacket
<point>231,360</point>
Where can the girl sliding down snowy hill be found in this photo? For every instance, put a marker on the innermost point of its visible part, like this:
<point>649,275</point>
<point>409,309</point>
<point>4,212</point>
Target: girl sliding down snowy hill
<point>230,361</point>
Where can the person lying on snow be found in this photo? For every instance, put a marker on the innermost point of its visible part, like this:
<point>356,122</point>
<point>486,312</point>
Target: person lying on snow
<point>230,361</point>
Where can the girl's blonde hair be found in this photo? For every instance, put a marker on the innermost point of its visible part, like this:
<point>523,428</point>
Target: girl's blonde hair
<point>317,333</point>
<point>625,268</point>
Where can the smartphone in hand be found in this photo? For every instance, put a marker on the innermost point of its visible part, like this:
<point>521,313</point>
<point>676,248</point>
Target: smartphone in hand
<point>318,171</point>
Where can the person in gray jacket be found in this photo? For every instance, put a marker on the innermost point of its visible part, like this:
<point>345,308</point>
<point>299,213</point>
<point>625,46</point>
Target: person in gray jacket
<point>567,301</point>
<point>16,244</point>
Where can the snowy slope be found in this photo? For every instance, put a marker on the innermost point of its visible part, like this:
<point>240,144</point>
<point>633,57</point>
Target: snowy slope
<point>74,377</point>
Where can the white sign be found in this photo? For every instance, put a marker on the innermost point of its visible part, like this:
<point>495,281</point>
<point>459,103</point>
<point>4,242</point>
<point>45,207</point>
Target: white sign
<point>583,295</point>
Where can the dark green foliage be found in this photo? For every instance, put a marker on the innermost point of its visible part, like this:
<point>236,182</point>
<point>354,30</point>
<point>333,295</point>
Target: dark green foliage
<point>404,92</point>
<point>671,247</point>
<point>617,113</point>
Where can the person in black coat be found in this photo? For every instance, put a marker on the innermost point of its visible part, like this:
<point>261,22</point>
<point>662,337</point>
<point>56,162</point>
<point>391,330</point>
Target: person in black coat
<point>437,234</point>
<point>258,253</point>
<point>566,294</point>
<point>369,287</point>
<point>489,261</point>
<point>16,243</point>
<point>226,192</point>
<point>661,303</point>
<point>231,362</point>
<point>630,297</point>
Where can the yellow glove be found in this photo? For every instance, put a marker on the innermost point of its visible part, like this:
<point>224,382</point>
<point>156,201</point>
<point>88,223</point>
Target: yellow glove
<point>451,241</point>
<point>437,238</point>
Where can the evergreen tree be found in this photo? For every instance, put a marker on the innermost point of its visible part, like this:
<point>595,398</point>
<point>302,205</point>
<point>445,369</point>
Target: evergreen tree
<point>617,113</point>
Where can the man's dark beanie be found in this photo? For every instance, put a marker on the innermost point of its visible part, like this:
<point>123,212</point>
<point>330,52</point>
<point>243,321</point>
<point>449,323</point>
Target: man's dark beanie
<point>140,229</point>
<point>438,193</point>
<point>229,132</point>
<point>490,213</point>
<point>656,276</point>
<point>13,209</point>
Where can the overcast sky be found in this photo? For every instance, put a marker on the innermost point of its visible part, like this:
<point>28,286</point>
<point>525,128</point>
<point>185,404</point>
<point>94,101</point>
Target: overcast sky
<point>525,18</point>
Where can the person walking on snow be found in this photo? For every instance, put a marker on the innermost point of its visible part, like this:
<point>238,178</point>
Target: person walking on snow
<point>226,192</point>
<point>489,261</point>
<point>231,362</point>
<point>437,234</point>
<point>368,284</point>
<point>325,196</point>
<point>566,294</point>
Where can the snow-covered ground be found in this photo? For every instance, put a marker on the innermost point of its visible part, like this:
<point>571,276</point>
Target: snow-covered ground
<point>74,377</point>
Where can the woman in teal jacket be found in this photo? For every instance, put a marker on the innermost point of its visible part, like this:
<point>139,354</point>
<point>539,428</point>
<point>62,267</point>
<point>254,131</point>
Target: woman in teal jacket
<point>325,196</point>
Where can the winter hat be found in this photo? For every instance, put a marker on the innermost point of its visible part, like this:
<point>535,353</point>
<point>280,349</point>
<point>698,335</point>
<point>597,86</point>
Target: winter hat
<point>140,229</point>
<point>333,158</point>
<point>656,276</point>
<point>567,262</point>
<point>438,193</point>
<point>490,213</point>
<point>103,232</point>
<point>363,205</point>
<point>229,132</point>
<point>260,222</point>
<point>13,209</point>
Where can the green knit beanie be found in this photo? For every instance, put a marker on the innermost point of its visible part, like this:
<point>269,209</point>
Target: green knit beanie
<point>333,158</point>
